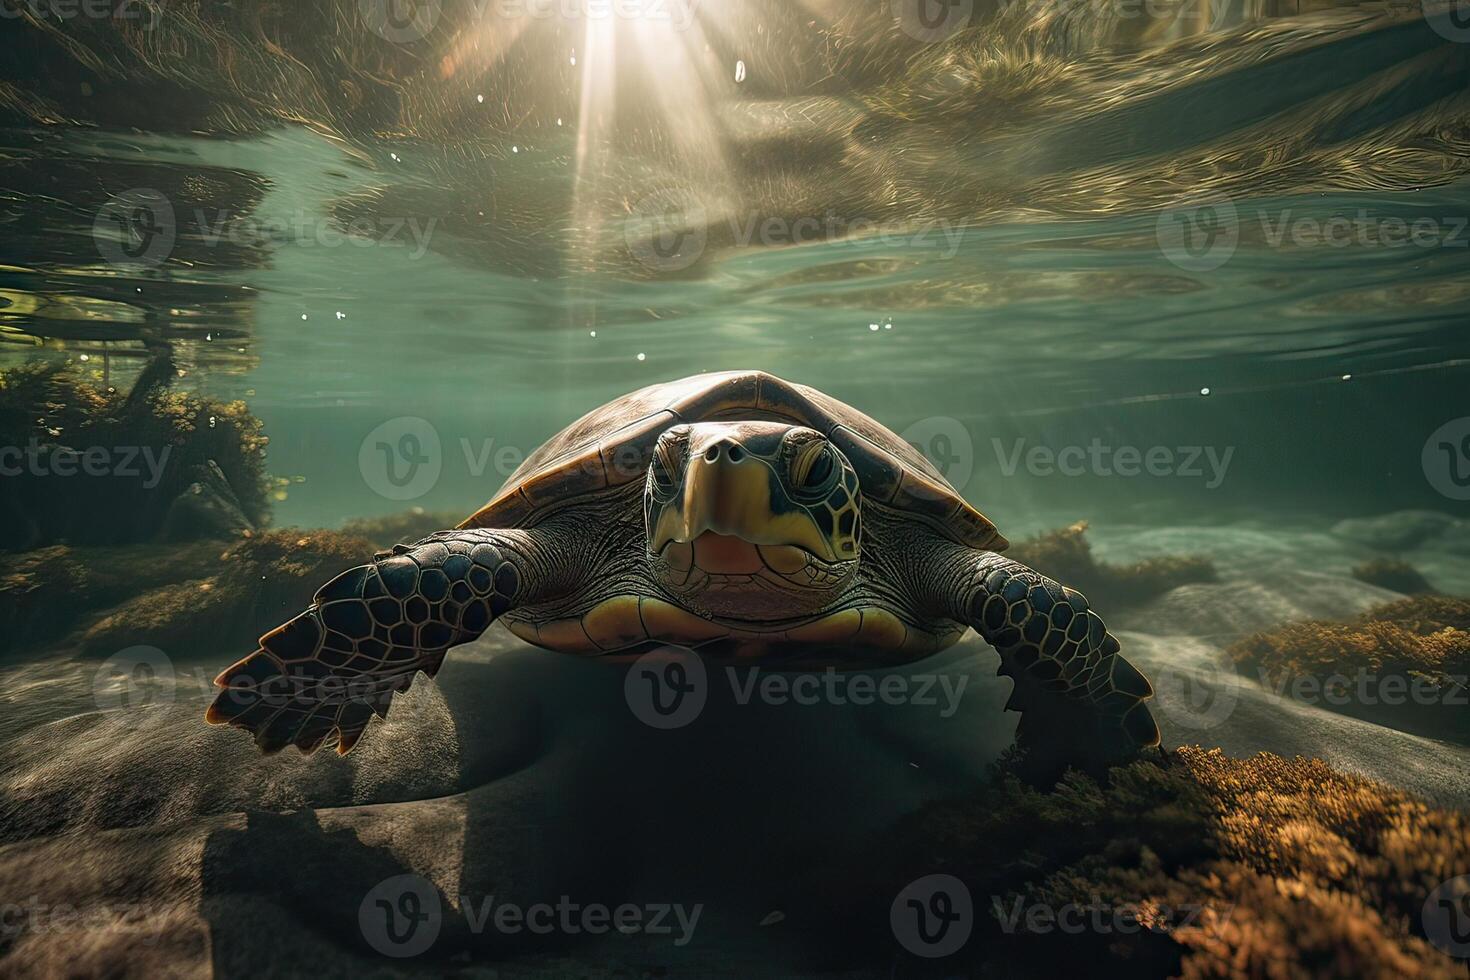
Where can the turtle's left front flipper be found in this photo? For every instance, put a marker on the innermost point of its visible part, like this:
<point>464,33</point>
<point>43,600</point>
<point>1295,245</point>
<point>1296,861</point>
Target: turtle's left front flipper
<point>1076,693</point>
<point>368,632</point>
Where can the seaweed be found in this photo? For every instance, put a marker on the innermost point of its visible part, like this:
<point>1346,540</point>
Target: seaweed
<point>405,527</point>
<point>257,584</point>
<point>1392,574</point>
<point>1206,865</point>
<point>1065,555</point>
<point>77,456</point>
<point>1403,664</point>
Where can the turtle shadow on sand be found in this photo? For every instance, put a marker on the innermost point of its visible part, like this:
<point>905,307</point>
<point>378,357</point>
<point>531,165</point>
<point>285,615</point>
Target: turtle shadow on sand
<point>567,796</point>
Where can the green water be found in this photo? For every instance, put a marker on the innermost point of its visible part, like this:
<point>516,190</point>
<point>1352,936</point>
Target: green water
<point>1326,366</point>
<point>1200,278</point>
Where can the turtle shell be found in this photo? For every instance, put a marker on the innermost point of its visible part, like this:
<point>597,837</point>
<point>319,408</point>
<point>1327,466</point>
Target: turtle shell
<point>612,446</point>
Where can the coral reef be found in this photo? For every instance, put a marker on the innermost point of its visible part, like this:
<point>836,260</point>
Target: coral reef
<point>256,585</point>
<point>1207,866</point>
<point>166,594</point>
<point>1065,555</point>
<point>1405,529</point>
<point>179,465</point>
<point>1390,573</point>
<point>170,597</point>
<point>407,527</point>
<point>1404,664</point>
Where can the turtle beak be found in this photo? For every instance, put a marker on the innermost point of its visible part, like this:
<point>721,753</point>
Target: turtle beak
<point>727,492</point>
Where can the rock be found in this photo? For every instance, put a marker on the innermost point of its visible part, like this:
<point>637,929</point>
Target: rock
<point>1274,596</point>
<point>207,508</point>
<point>1389,573</point>
<point>1401,530</point>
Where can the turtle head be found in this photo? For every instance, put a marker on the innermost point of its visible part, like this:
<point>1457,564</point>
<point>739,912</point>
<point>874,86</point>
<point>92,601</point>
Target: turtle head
<point>752,519</point>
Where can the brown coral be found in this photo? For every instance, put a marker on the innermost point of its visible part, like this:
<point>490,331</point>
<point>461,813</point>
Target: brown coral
<point>1403,664</point>
<point>257,584</point>
<point>1065,555</point>
<point>1392,574</point>
<point>157,444</point>
<point>1207,867</point>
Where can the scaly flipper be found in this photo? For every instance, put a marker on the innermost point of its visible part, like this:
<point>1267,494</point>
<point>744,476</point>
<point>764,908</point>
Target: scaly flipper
<point>323,675</point>
<point>1071,683</point>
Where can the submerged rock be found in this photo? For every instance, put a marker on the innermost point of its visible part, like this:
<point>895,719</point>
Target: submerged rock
<point>99,466</point>
<point>1405,664</point>
<point>1204,866</point>
<point>1390,573</point>
<point>255,585</point>
<point>1403,530</point>
<point>207,508</point>
<point>1273,596</point>
<point>408,527</point>
<point>1065,555</point>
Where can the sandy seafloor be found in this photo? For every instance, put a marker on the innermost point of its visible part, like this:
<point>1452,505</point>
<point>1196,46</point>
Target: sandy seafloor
<point>141,840</point>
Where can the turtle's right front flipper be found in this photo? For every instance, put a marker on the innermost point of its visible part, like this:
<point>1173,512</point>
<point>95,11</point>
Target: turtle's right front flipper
<point>1079,699</point>
<point>321,677</point>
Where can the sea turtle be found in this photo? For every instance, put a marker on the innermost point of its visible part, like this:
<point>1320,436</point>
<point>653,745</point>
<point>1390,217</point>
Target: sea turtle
<point>737,514</point>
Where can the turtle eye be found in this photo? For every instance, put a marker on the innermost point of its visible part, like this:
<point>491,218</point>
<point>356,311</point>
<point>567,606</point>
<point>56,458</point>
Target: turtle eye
<point>663,469</point>
<point>814,470</point>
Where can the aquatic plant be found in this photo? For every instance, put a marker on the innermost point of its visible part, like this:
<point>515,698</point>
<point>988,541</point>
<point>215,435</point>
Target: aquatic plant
<point>1065,555</point>
<point>1422,642</point>
<point>1205,866</point>
<point>1391,573</point>
<point>256,583</point>
<point>405,527</point>
<point>177,464</point>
